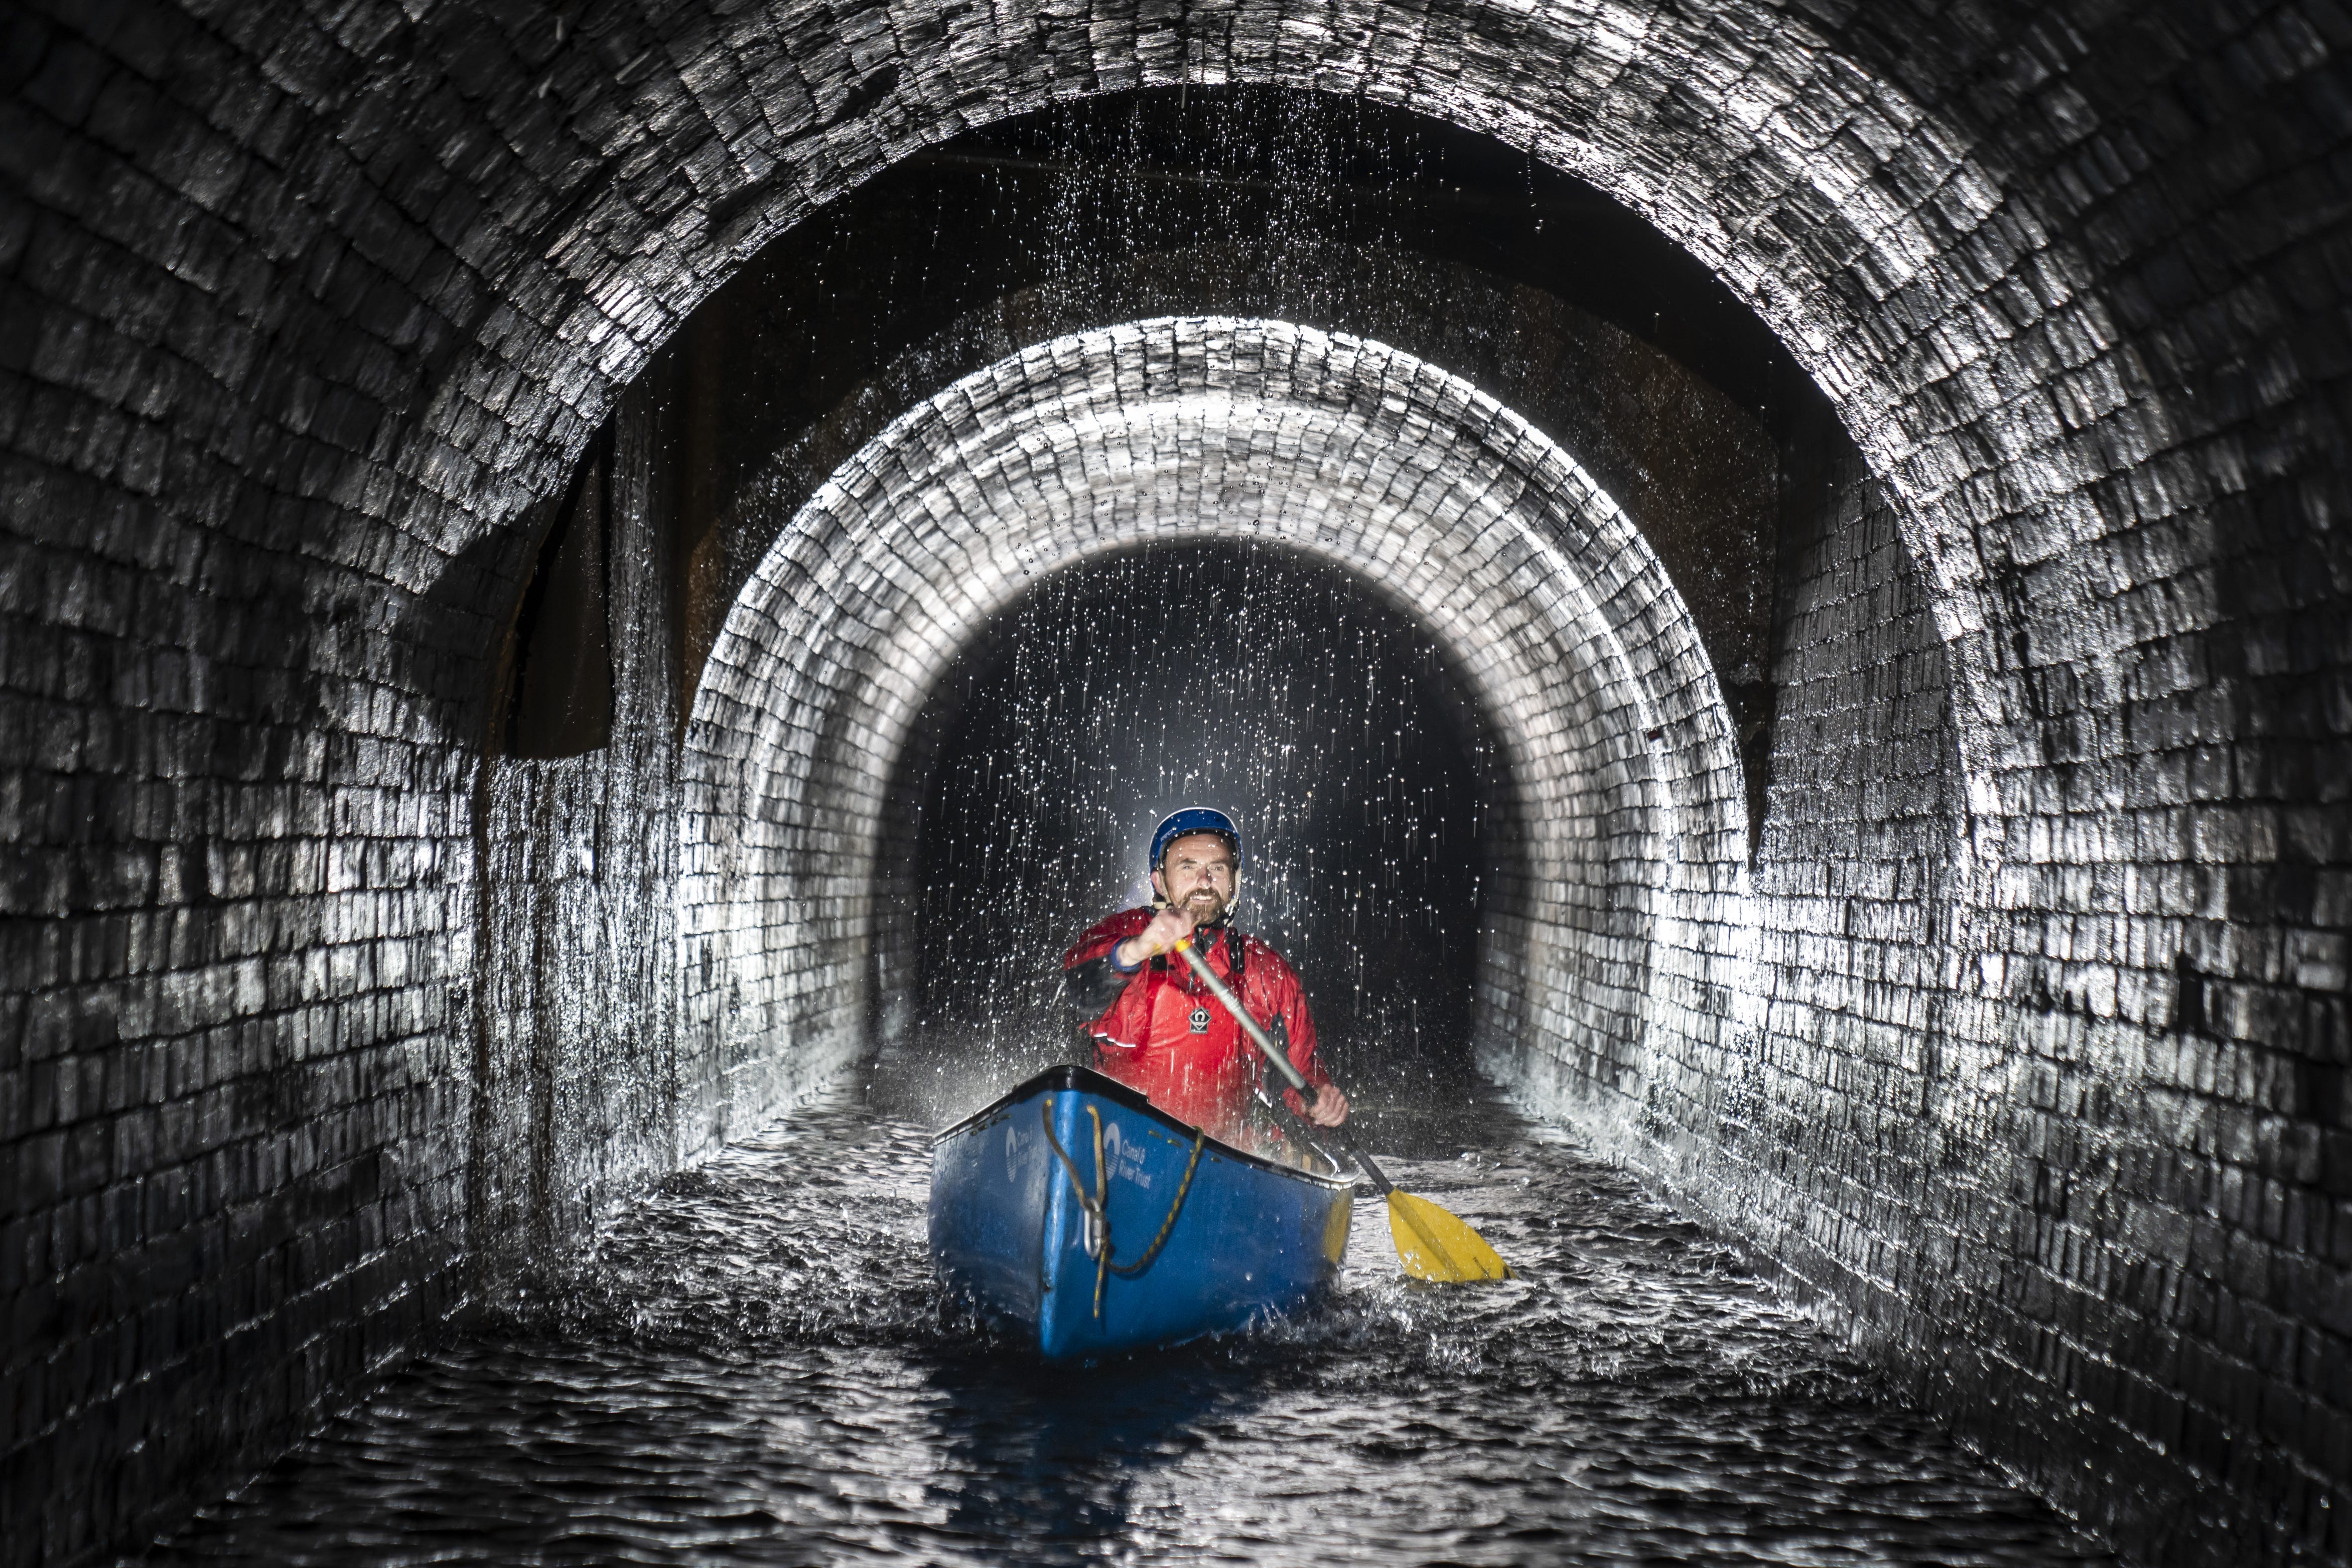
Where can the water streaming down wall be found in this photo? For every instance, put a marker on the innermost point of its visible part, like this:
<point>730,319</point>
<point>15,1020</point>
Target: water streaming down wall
<point>2037,1064</point>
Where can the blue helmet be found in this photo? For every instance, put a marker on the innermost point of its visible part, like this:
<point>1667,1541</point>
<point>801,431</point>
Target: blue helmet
<point>1195,819</point>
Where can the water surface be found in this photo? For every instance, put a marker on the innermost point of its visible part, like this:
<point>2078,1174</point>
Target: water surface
<point>754,1367</point>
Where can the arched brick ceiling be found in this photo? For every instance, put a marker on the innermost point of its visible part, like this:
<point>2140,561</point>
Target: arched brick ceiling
<point>514,209</point>
<point>788,398</point>
<point>1627,805</point>
<point>416,256</point>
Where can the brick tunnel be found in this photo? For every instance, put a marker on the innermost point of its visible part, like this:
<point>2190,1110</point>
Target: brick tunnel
<point>501,505</point>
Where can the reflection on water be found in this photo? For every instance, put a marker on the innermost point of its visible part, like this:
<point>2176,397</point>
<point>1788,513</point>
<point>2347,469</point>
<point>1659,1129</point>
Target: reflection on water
<point>755,1368</point>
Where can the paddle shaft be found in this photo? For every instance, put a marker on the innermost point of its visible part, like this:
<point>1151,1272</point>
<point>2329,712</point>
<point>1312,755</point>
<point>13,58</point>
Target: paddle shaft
<point>1282,1062</point>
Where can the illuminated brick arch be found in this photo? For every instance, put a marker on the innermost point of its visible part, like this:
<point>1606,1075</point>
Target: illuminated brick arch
<point>1625,791</point>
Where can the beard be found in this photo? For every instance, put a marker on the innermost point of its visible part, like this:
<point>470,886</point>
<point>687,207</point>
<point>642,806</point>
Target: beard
<point>1203,905</point>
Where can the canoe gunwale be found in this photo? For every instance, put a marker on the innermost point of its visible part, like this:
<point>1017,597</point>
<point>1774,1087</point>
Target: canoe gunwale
<point>1070,1078</point>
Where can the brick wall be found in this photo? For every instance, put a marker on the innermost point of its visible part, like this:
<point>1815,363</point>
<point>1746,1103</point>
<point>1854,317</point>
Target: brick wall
<point>302,313</point>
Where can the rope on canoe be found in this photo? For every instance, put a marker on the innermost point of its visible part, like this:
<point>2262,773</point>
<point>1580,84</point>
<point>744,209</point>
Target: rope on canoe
<point>1097,1204</point>
<point>1129,1271</point>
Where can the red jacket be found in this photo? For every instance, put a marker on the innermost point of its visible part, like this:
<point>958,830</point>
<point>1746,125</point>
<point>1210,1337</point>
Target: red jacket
<point>1165,1035</point>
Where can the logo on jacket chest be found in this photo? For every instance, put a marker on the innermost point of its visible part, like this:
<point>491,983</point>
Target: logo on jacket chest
<point>1199,1020</point>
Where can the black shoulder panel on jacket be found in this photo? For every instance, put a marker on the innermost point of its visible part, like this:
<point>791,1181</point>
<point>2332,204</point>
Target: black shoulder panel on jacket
<point>1093,985</point>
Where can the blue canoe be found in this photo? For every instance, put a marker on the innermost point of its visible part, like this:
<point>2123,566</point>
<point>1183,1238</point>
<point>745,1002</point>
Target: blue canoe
<point>1243,1238</point>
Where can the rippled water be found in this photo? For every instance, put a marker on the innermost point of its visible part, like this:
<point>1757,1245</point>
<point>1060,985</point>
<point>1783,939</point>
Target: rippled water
<point>757,1369</point>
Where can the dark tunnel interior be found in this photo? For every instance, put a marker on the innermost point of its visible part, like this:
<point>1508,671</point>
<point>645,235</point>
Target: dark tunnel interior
<point>1329,725</point>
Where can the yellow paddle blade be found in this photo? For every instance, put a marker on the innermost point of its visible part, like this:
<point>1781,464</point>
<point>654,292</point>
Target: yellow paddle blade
<point>1435,1246</point>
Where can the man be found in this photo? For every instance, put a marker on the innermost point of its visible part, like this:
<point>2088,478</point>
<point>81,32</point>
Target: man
<point>1160,1030</point>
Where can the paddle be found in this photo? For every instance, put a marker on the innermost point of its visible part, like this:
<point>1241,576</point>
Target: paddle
<point>1431,1243</point>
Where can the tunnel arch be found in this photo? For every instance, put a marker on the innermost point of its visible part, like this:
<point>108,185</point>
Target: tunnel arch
<point>1882,233</point>
<point>1627,826</point>
<point>311,306</point>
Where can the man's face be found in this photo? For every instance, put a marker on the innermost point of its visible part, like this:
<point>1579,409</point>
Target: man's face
<point>1196,876</point>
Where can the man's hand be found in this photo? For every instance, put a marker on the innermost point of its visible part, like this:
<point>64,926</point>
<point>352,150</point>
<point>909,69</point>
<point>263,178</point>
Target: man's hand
<point>1167,928</point>
<point>1330,1108</point>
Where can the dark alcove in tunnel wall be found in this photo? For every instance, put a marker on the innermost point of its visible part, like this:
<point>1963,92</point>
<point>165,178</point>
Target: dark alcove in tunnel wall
<point>558,663</point>
<point>1273,687</point>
